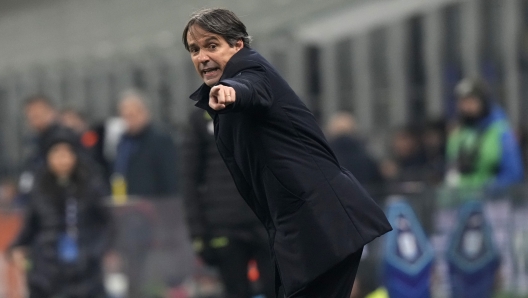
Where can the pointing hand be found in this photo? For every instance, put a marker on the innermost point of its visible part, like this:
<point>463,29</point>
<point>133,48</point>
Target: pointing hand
<point>221,96</point>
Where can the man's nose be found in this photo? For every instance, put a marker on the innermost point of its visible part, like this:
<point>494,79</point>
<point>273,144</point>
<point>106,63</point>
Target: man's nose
<point>202,57</point>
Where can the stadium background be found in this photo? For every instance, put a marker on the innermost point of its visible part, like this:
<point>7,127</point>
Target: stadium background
<point>390,62</point>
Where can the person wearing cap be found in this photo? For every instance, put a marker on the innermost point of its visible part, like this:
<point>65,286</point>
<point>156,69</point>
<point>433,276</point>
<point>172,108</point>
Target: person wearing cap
<point>482,150</point>
<point>67,228</point>
<point>317,215</point>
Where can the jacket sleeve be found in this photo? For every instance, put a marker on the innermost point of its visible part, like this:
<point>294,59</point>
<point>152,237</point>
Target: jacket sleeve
<point>29,228</point>
<point>167,165</point>
<point>106,227</point>
<point>194,154</point>
<point>253,91</point>
<point>511,165</point>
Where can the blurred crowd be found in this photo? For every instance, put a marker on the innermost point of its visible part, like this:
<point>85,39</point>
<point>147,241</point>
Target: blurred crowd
<point>77,169</point>
<point>475,148</point>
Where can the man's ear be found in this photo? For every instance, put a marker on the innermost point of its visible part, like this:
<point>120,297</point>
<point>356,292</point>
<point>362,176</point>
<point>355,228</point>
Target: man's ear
<point>239,44</point>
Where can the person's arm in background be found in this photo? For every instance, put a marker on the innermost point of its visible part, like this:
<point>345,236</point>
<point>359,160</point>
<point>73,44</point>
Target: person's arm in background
<point>29,229</point>
<point>511,165</point>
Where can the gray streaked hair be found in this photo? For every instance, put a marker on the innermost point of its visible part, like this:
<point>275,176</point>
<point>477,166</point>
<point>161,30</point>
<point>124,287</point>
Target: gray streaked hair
<point>134,95</point>
<point>218,21</point>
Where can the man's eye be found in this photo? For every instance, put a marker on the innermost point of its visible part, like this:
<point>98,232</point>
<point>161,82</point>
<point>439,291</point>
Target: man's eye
<point>194,50</point>
<point>213,46</point>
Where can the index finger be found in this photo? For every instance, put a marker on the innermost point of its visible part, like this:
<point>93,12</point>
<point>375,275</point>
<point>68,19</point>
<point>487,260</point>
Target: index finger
<point>221,96</point>
<point>214,89</point>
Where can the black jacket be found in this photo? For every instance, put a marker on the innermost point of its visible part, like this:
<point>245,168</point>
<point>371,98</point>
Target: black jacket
<point>214,206</point>
<point>152,167</point>
<point>45,223</point>
<point>316,212</point>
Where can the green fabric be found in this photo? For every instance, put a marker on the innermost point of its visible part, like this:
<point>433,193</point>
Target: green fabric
<point>379,293</point>
<point>219,242</point>
<point>489,153</point>
<point>198,245</point>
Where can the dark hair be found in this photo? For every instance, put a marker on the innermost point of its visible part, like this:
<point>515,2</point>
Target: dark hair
<point>63,134</point>
<point>218,21</point>
<point>78,186</point>
<point>39,98</point>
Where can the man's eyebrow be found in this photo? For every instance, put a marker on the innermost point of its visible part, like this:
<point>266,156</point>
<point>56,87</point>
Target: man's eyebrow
<point>207,40</point>
<point>212,38</point>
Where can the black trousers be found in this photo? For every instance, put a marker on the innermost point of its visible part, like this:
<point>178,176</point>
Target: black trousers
<point>88,285</point>
<point>334,283</point>
<point>232,263</point>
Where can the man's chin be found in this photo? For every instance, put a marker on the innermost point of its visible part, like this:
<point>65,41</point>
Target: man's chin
<point>211,83</point>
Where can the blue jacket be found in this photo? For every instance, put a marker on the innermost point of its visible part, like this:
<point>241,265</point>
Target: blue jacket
<point>510,169</point>
<point>498,162</point>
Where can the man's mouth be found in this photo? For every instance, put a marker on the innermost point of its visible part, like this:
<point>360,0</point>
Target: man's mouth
<point>210,71</point>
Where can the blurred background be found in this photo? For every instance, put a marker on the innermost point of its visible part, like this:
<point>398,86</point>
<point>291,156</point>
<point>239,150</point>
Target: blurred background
<point>388,80</point>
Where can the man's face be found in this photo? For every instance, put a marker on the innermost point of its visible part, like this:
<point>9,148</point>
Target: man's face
<point>404,145</point>
<point>39,116</point>
<point>469,106</point>
<point>210,53</point>
<point>135,114</point>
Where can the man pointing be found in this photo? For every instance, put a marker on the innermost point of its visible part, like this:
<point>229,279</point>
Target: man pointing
<point>317,215</point>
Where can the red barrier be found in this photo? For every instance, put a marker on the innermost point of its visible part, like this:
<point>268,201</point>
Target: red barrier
<point>12,274</point>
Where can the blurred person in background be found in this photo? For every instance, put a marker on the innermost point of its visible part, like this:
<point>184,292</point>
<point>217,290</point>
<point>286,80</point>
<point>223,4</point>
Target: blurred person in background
<point>67,228</point>
<point>225,232</point>
<point>351,151</point>
<point>146,156</point>
<point>91,139</point>
<point>522,134</point>
<point>8,193</point>
<point>42,120</point>
<point>75,120</point>
<point>145,167</point>
<point>408,159</point>
<point>12,276</point>
<point>482,150</point>
<point>434,144</point>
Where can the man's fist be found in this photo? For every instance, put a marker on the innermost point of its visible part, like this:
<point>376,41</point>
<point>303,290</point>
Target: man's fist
<point>221,96</point>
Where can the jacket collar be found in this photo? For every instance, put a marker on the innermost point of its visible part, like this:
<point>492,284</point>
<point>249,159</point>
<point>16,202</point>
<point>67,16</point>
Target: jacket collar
<point>235,65</point>
<point>201,96</point>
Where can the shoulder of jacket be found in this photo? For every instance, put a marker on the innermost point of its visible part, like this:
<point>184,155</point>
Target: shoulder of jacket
<point>500,125</point>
